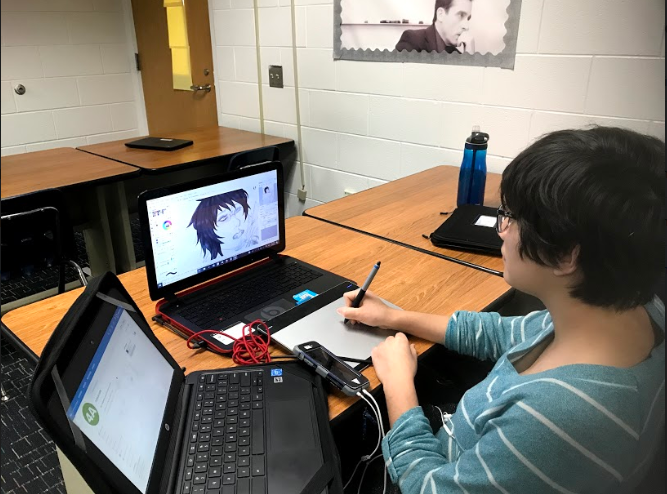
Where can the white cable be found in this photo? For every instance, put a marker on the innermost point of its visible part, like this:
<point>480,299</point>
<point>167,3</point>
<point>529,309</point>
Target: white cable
<point>361,482</point>
<point>378,415</point>
<point>380,427</point>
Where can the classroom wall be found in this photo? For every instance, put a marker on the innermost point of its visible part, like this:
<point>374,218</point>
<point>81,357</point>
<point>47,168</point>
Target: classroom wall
<point>598,61</point>
<point>75,58</point>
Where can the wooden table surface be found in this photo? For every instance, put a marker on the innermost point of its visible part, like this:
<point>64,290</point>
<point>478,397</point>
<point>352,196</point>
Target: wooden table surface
<point>209,143</point>
<point>411,280</point>
<point>62,167</point>
<point>405,209</point>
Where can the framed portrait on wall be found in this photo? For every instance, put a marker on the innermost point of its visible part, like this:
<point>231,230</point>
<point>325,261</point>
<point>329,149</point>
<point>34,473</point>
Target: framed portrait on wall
<point>454,32</point>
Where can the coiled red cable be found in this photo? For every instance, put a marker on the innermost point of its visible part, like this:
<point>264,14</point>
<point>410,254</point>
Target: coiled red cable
<point>249,349</point>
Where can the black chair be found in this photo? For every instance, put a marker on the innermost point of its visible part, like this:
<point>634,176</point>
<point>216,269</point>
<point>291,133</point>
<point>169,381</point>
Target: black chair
<point>37,233</point>
<point>254,157</point>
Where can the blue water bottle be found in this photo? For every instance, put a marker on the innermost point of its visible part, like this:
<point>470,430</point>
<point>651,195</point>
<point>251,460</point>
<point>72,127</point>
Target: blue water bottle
<point>472,177</point>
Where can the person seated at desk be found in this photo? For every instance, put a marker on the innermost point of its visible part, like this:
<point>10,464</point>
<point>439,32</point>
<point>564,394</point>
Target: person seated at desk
<point>575,401</point>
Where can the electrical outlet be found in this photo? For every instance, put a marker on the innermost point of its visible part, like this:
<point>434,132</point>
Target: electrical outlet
<point>275,76</point>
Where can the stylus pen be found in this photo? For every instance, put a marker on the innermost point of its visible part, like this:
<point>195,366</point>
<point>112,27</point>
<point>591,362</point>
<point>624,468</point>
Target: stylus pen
<point>360,296</point>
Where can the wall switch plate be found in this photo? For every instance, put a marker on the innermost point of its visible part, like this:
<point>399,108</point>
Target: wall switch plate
<point>275,75</point>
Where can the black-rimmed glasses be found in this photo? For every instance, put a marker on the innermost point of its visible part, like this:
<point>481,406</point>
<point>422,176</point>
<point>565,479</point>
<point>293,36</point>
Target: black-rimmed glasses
<point>504,220</point>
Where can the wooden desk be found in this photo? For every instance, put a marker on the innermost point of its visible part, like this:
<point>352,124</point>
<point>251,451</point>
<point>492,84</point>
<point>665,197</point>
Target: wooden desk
<point>208,144</point>
<point>58,168</point>
<point>403,210</point>
<point>91,184</point>
<point>412,280</point>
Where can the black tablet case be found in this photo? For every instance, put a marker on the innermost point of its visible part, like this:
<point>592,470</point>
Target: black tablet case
<point>70,332</point>
<point>460,232</point>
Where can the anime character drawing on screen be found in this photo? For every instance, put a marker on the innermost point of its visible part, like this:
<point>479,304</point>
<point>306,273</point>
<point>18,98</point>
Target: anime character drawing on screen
<point>225,224</point>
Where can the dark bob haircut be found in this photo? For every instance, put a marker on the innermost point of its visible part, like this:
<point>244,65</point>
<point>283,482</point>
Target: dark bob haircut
<point>205,219</point>
<point>603,190</point>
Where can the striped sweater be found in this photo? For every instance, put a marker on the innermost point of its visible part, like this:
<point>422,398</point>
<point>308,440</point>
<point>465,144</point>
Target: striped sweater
<point>576,428</point>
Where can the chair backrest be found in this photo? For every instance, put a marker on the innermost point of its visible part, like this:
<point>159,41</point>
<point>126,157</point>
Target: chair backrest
<point>254,157</point>
<point>36,231</point>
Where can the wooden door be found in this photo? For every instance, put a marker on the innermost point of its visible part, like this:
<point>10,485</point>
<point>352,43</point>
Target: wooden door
<point>169,110</point>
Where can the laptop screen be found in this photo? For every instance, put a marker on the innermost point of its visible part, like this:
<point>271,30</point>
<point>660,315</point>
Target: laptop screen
<point>120,403</point>
<point>203,228</point>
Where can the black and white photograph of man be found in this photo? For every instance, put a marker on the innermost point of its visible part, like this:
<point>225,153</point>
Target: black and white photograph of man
<point>446,27</point>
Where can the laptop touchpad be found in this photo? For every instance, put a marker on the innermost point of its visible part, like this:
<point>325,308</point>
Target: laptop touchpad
<point>291,426</point>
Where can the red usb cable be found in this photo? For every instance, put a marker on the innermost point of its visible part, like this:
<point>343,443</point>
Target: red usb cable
<point>249,349</point>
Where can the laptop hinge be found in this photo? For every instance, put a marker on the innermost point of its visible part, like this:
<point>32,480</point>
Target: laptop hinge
<point>273,255</point>
<point>171,297</point>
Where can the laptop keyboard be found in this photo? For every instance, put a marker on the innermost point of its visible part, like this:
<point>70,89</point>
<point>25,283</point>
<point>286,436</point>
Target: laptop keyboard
<point>226,442</point>
<point>222,303</point>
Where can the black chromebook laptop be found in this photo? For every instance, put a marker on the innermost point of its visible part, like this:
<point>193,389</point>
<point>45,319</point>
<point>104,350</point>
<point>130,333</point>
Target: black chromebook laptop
<point>159,143</point>
<point>131,421</point>
<point>193,233</point>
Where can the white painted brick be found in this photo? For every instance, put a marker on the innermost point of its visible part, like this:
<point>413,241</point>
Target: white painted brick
<point>627,87</point>
<point>112,136</point>
<point>287,61</point>
<point>245,61</point>
<point>416,121</point>
<point>225,65</point>
<point>234,27</point>
<point>12,150</point>
<point>267,3</point>
<point>328,185</point>
<point>82,121</point>
<point>508,128</point>
<point>68,60</point>
<point>544,83</point>
<point>108,5</point>
<point>304,106</point>
<point>220,5</point>
<point>116,59</point>
<point>496,164</point>
<point>319,26</point>
<point>274,128</point>
<point>657,129</point>
<point>662,47</point>
<point>21,62</point>
<point>339,111</point>
<point>443,82</point>
<point>279,104</point>
<point>543,122</point>
<point>275,27</point>
<point>415,159</point>
<point>45,94</point>
<point>124,116</point>
<point>294,207</point>
<point>110,88</point>
<point>96,27</point>
<point>61,143</point>
<point>602,27</point>
<point>529,26</point>
<point>320,147</point>
<point>301,31</point>
<point>291,132</point>
<point>34,28</point>
<point>242,4</point>
<point>316,69</point>
<point>370,157</point>
<point>250,124</point>
<point>269,56</point>
<point>8,103</point>
<point>369,77</point>
<point>231,121</point>
<point>309,2</point>
<point>374,182</point>
<point>46,5</point>
<point>238,98</point>
<point>24,128</point>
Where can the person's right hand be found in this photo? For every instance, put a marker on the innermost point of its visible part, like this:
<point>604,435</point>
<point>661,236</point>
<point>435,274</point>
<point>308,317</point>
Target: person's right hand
<point>372,312</point>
